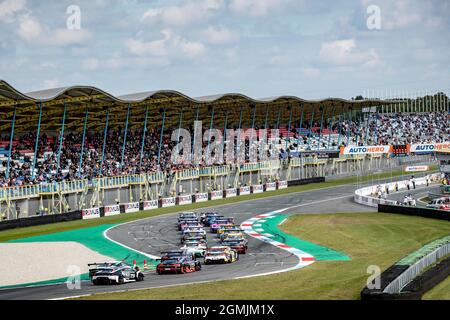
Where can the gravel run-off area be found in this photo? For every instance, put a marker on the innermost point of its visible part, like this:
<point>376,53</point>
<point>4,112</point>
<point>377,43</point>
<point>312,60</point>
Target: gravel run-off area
<point>22,263</point>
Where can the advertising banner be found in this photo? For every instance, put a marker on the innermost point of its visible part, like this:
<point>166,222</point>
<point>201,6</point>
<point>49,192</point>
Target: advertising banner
<point>430,147</point>
<point>112,210</point>
<point>151,204</point>
<point>257,188</point>
<point>416,168</point>
<point>201,197</point>
<point>244,191</point>
<point>214,195</point>
<point>90,213</point>
<point>282,184</point>
<point>131,207</point>
<point>229,193</point>
<point>365,150</point>
<point>187,199</point>
<point>270,186</point>
<point>168,202</point>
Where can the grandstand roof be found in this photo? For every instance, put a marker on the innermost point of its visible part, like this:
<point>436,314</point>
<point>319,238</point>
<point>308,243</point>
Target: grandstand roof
<point>78,99</point>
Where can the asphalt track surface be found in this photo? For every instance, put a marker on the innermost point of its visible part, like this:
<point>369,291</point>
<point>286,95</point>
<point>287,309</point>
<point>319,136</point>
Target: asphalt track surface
<point>152,235</point>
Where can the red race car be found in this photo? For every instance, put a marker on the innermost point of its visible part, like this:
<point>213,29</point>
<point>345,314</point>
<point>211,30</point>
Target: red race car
<point>184,264</point>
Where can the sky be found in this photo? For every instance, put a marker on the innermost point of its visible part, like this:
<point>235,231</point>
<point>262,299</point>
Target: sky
<point>261,48</point>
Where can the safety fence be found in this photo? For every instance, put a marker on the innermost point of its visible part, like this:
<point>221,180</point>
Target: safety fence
<point>78,185</point>
<point>430,255</point>
<point>125,208</point>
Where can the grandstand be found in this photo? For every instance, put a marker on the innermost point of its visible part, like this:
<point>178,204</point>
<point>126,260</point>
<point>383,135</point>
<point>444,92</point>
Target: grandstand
<point>75,142</point>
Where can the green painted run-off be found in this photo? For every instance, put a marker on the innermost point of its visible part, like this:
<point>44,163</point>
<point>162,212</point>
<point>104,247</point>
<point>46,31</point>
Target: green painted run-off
<point>93,239</point>
<point>320,253</point>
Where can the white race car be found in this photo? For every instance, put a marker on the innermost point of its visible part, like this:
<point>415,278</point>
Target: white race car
<point>196,248</point>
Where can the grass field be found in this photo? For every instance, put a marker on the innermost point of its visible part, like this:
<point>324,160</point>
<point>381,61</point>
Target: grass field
<point>72,225</point>
<point>441,291</point>
<point>368,238</point>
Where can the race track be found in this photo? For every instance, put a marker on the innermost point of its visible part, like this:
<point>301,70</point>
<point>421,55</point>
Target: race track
<point>151,235</point>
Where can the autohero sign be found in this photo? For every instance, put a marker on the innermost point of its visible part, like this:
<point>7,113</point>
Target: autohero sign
<point>416,168</point>
<point>431,147</point>
<point>184,199</point>
<point>201,197</point>
<point>151,204</point>
<point>257,188</point>
<point>131,207</point>
<point>112,210</point>
<point>365,150</point>
<point>168,202</point>
<point>90,213</point>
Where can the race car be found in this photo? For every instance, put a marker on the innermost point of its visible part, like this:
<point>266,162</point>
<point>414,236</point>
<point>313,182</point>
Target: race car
<point>194,229</point>
<point>216,224</point>
<point>187,215</point>
<point>236,244</point>
<point>220,254</point>
<point>184,264</point>
<point>196,248</point>
<point>95,267</point>
<point>209,220</point>
<point>235,237</point>
<point>197,238</point>
<point>188,224</point>
<point>193,234</point>
<point>174,254</point>
<point>225,228</point>
<point>233,231</point>
<point>117,275</point>
<point>205,215</point>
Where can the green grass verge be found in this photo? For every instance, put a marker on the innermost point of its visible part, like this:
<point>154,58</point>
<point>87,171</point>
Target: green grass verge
<point>368,238</point>
<point>65,226</point>
<point>440,292</point>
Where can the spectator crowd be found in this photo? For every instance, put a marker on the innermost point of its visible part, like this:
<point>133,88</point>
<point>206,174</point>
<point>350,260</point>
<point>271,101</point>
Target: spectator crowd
<point>382,130</point>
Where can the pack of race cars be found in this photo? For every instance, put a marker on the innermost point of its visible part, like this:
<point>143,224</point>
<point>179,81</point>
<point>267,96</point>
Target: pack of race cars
<point>230,242</point>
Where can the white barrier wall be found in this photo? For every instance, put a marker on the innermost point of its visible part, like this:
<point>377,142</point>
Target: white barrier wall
<point>90,213</point>
<point>112,210</point>
<point>367,196</point>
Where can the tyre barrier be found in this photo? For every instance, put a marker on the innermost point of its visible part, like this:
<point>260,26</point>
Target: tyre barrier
<point>40,220</point>
<point>415,211</point>
<point>123,208</point>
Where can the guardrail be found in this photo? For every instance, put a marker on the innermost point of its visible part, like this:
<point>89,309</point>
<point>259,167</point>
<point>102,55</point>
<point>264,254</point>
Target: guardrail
<point>414,270</point>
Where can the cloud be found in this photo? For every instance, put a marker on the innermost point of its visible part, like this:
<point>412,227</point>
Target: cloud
<point>220,35</point>
<point>91,64</point>
<point>31,31</point>
<point>29,28</point>
<point>50,84</point>
<point>345,53</point>
<point>10,8</point>
<point>189,12</point>
<point>169,46</point>
<point>311,72</point>
<point>257,8</point>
